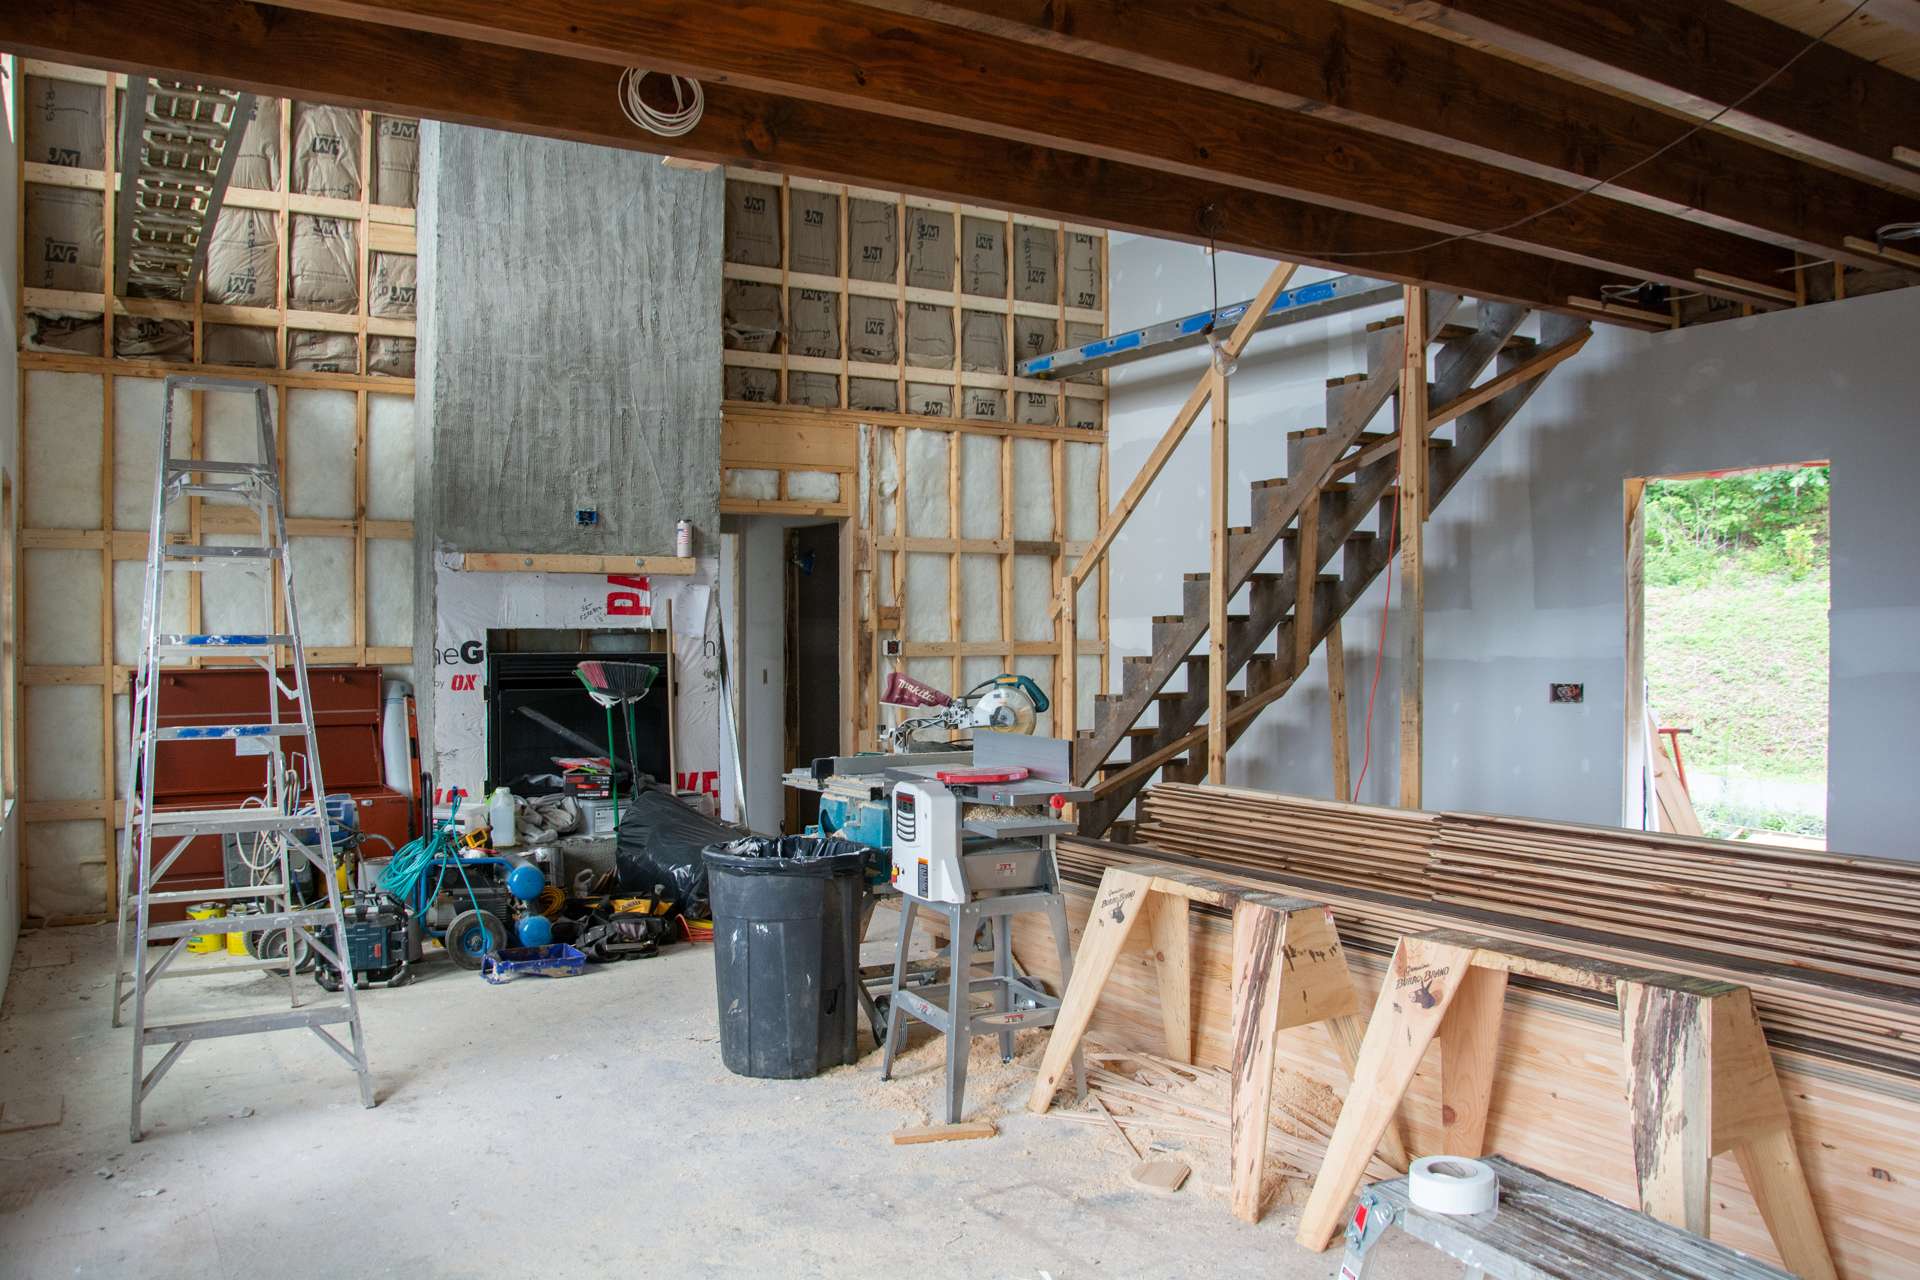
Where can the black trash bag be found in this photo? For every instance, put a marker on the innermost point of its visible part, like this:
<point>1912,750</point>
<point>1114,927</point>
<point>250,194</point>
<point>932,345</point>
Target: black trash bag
<point>659,846</point>
<point>772,850</point>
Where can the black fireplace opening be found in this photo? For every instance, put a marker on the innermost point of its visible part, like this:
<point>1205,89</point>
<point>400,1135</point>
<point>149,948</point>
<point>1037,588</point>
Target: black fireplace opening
<point>537,709</point>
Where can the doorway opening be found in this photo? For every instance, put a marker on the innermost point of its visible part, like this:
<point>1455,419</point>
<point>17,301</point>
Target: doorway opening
<point>788,599</point>
<point>1728,653</point>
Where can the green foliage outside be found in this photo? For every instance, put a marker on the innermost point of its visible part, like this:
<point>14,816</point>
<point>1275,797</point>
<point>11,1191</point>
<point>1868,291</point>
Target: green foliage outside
<point>1736,574</point>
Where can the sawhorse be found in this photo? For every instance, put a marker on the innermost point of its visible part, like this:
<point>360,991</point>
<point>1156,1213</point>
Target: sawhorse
<point>1699,1081</point>
<point>1288,971</point>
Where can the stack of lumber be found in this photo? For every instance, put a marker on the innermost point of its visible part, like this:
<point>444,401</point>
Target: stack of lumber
<point>1844,1049</point>
<point>1827,942</point>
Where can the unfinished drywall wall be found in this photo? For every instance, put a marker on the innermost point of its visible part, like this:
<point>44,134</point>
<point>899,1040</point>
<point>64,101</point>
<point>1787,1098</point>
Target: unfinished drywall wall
<point>569,358</point>
<point>1525,563</point>
<point>573,308</point>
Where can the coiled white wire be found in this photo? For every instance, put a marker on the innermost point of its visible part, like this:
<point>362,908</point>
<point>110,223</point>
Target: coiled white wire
<point>688,104</point>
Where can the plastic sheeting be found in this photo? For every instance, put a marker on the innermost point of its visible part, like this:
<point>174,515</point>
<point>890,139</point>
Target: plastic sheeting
<point>929,249</point>
<point>1034,252</point>
<point>1084,282</point>
<point>983,257</point>
<point>875,395</point>
<point>986,403</point>
<point>311,351</point>
<point>237,344</point>
<point>393,289</point>
<point>391,355</point>
<point>324,267</point>
<point>257,167</point>
<point>816,390</point>
<point>145,338</point>
<point>813,318</point>
<point>931,399</point>
<point>396,161</point>
<point>873,330</point>
<point>326,152</point>
<point>813,232</point>
<point>243,259</point>
<point>63,124</point>
<point>755,386</point>
<point>983,342</point>
<point>65,239</point>
<point>749,317</point>
<point>873,248</point>
<point>752,232</point>
<point>929,337</point>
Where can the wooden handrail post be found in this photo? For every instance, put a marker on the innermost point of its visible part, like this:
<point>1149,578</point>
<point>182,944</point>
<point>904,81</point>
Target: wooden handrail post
<point>1183,420</point>
<point>1067,706</point>
<point>1413,523</point>
<point>1217,586</point>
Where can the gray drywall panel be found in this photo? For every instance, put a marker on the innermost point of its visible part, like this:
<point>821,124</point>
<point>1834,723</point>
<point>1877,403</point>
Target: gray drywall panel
<point>1525,566</point>
<point>569,343</point>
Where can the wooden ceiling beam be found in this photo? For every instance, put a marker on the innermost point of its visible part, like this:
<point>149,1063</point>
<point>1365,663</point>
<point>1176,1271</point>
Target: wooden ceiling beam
<point>1385,77</point>
<point>318,58</point>
<point>845,55</point>
<point>1700,57</point>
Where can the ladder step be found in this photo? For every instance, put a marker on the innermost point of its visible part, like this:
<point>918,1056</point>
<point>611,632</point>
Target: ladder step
<point>246,1024</point>
<point>244,644</point>
<point>202,466</point>
<point>220,732</point>
<point>224,893</point>
<point>179,489</point>
<point>198,551</point>
<point>319,918</point>
<point>213,822</point>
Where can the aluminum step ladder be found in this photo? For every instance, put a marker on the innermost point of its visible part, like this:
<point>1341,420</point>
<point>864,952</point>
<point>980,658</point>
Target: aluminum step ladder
<point>179,143</point>
<point>291,800</point>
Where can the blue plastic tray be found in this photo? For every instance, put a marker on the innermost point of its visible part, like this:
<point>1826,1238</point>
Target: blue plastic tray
<point>555,960</point>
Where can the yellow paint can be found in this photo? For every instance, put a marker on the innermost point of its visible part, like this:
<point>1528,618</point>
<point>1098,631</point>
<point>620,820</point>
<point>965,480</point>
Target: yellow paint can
<point>206,943</point>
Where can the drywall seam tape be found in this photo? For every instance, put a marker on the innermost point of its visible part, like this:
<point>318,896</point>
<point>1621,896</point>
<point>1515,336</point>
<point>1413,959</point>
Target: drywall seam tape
<point>1452,1184</point>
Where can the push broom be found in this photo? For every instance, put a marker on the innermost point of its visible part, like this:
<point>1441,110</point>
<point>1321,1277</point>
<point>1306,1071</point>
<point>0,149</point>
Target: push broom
<point>618,684</point>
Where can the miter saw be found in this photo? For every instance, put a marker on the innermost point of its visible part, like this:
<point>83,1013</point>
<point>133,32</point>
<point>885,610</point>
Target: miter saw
<point>1004,704</point>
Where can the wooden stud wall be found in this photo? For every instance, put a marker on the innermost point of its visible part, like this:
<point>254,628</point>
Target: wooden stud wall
<point>378,228</point>
<point>789,439</point>
<point>385,229</point>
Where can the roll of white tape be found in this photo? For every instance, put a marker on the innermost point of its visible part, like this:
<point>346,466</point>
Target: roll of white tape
<point>1452,1184</point>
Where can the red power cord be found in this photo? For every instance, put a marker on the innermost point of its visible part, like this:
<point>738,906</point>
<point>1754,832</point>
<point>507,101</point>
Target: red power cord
<point>1380,650</point>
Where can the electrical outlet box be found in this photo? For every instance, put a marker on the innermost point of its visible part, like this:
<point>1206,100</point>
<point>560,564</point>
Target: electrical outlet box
<point>1566,693</point>
<point>587,517</point>
<point>891,648</point>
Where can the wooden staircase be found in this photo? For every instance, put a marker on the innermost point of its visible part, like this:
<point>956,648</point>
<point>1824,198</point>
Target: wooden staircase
<point>1341,487</point>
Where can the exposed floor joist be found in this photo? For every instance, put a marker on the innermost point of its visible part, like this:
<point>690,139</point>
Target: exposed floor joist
<point>317,57</point>
<point>854,58</point>
<point>1702,56</point>
<point>1387,78</point>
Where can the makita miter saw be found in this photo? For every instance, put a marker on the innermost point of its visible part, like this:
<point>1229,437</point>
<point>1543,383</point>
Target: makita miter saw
<point>1004,704</point>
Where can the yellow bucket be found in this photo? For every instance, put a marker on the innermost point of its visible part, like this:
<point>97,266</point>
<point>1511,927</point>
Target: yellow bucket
<point>236,941</point>
<point>206,943</point>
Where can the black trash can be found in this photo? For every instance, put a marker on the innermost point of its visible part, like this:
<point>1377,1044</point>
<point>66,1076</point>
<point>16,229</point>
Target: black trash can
<point>786,952</point>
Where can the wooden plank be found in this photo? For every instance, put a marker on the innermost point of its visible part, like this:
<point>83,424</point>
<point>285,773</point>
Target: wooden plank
<point>1217,477</point>
<point>1412,529</point>
<point>1168,918</point>
<point>1337,713</point>
<point>1497,386</point>
<point>960,1131</point>
<point>1306,546</point>
<point>1469,1049</point>
<point>1669,1101</point>
<point>510,562</point>
<point>1259,936</point>
<point>566,97</point>
<point>1120,899</point>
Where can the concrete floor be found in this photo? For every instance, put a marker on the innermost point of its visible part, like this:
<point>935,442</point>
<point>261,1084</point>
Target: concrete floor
<point>574,1128</point>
